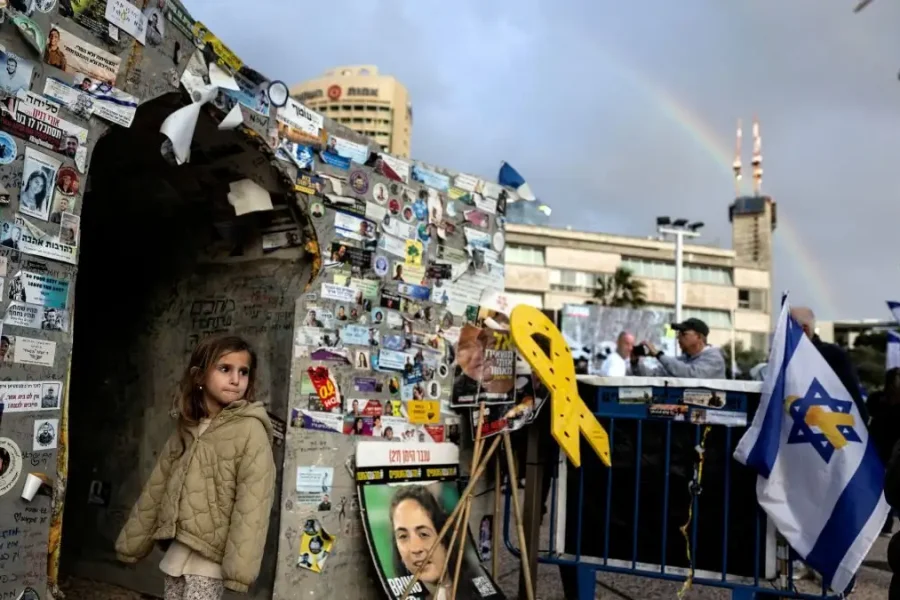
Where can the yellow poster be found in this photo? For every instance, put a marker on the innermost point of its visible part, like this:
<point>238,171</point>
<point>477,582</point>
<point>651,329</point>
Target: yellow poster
<point>423,412</point>
<point>315,546</point>
<point>414,251</point>
<point>223,52</point>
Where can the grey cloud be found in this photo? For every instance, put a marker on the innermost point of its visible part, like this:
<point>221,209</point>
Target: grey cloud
<point>584,97</point>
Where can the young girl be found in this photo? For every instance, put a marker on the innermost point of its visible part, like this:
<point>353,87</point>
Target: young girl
<point>208,500</point>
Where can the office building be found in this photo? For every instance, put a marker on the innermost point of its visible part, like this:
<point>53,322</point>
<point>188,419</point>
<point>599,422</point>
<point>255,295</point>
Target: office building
<point>728,289</point>
<point>359,97</point>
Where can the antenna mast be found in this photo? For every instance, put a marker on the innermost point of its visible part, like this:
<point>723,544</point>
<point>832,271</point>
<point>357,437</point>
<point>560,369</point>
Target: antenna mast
<point>756,161</point>
<point>736,165</point>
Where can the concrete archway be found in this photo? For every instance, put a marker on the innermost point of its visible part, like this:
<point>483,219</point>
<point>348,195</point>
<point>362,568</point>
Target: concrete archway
<point>164,260</point>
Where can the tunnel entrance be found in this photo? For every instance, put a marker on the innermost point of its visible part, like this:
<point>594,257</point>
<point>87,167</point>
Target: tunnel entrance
<point>165,261</point>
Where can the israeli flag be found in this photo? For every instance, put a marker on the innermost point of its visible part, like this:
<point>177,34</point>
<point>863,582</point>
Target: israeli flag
<point>511,178</point>
<point>820,479</point>
<point>895,309</point>
<point>892,353</point>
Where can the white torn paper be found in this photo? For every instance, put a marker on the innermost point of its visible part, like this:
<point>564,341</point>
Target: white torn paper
<point>247,196</point>
<point>221,78</point>
<point>179,126</point>
<point>336,186</point>
<point>234,118</point>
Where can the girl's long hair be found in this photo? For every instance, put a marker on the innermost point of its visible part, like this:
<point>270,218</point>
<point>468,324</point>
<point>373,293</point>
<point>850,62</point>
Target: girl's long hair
<point>190,405</point>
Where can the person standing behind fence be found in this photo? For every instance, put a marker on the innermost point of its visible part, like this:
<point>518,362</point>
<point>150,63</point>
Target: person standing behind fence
<point>884,424</point>
<point>835,356</point>
<point>698,360</point>
<point>892,495</point>
<point>208,500</point>
<point>617,364</point>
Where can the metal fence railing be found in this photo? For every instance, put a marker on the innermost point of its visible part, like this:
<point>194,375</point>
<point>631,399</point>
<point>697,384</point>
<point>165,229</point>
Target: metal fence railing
<point>661,512</point>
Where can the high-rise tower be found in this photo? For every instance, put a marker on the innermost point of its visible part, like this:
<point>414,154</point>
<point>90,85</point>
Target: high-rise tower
<point>753,217</point>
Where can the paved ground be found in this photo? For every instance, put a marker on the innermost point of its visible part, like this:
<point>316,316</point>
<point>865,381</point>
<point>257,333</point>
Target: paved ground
<point>873,582</point>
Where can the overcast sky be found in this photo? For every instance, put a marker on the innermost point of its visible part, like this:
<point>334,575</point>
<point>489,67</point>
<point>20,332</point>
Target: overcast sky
<point>618,112</point>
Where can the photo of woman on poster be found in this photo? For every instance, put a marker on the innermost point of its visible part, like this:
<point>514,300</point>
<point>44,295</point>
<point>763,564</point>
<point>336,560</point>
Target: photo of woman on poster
<point>415,515</point>
<point>32,200</point>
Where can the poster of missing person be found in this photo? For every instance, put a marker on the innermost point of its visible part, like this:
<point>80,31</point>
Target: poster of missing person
<point>485,367</point>
<point>406,495</point>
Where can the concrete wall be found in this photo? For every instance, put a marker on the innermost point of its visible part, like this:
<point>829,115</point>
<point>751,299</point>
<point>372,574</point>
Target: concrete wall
<point>163,262</point>
<point>25,527</point>
<point>142,308</point>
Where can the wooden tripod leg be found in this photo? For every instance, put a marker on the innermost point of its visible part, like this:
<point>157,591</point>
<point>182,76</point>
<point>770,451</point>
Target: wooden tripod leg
<point>464,515</point>
<point>495,535</point>
<point>457,524</point>
<point>473,481</point>
<point>520,529</point>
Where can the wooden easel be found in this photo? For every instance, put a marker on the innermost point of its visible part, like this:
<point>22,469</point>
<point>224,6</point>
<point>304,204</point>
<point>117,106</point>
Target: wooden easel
<point>459,518</point>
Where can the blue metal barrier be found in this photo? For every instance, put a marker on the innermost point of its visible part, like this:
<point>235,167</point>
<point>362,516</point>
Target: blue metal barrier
<point>633,418</point>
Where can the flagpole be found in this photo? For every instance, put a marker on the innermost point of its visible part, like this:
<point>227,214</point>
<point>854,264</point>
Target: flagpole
<point>733,357</point>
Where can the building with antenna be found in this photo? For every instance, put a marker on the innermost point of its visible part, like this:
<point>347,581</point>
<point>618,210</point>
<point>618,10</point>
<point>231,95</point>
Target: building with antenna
<point>753,217</point>
<point>730,289</point>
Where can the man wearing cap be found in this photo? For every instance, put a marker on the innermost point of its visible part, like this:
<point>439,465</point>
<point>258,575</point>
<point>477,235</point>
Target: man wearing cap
<point>698,359</point>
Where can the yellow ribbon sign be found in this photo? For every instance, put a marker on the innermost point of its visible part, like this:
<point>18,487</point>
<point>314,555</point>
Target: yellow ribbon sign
<point>570,416</point>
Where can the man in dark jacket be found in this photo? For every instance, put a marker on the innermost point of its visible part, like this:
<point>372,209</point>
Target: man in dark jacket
<point>835,356</point>
<point>892,495</point>
<point>884,408</point>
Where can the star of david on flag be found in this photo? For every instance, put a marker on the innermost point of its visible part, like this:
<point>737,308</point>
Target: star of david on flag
<point>820,479</point>
<point>821,421</point>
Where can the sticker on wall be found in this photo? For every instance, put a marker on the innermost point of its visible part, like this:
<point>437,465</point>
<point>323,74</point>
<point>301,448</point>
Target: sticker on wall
<point>394,207</point>
<point>314,486</point>
<point>32,351</point>
<point>443,370</point>
<point>378,316</point>
<point>423,412</point>
<point>21,314</point>
<point>380,193</point>
<point>380,265</point>
<point>433,389</point>
<point>359,181</point>
<point>408,214</point>
<point>8,149</point>
<point>317,210</point>
<point>362,360</point>
<point>451,208</point>
<point>68,181</point>
<point>31,31</point>
<point>35,288</point>
<point>329,394</point>
<point>420,209</point>
<point>73,55</point>
<point>485,537</point>
<point>315,546</point>
<point>45,434</point>
<point>414,252</point>
<point>10,464</point>
<point>38,177</point>
<point>499,243</point>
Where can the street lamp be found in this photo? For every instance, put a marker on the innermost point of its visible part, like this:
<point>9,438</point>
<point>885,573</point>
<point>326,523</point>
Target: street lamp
<point>680,229</point>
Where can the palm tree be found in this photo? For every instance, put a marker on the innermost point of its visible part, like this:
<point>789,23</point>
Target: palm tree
<point>619,289</point>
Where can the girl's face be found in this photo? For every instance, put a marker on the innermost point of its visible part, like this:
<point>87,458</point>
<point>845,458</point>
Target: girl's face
<point>36,185</point>
<point>227,381</point>
<point>415,534</point>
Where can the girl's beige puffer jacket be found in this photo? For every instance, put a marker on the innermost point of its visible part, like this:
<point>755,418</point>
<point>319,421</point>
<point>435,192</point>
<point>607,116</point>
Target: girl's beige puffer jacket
<point>215,497</point>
